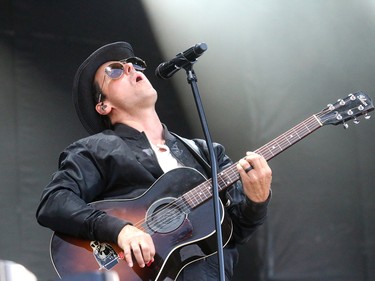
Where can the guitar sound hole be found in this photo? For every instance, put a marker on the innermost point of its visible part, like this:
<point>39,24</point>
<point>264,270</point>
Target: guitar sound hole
<point>165,215</point>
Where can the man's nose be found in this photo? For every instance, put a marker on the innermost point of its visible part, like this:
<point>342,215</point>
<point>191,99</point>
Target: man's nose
<point>128,68</point>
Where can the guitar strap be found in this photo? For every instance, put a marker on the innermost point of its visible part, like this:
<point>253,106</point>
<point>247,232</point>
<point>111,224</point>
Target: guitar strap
<point>194,149</point>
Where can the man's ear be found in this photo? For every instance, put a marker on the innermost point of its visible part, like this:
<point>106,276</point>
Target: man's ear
<point>102,108</point>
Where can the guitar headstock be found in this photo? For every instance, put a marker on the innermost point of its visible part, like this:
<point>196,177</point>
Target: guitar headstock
<point>351,107</point>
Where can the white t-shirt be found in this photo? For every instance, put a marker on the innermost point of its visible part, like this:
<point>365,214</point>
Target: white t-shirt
<point>166,160</point>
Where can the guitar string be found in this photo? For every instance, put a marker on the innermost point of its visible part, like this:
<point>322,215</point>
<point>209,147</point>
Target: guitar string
<point>168,211</point>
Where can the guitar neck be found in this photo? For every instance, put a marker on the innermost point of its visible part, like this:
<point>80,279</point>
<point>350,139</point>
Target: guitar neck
<point>290,137</point>
<point>230,175</point>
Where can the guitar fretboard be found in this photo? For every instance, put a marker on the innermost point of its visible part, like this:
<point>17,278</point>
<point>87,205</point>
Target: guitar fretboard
<point>203,192</point>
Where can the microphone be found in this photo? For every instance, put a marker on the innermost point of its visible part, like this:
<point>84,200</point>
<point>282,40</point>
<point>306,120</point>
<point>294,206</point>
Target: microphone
<point>165,70</point>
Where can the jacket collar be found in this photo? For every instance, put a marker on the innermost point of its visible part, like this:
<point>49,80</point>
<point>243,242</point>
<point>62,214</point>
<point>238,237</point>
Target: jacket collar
<point>127,132</point>
<point>178,148</point>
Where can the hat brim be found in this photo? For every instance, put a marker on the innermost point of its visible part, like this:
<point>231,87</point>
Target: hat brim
<point>83,96</point>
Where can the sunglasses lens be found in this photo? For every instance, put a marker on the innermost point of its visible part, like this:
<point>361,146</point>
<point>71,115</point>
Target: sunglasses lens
<point>138,64</point>
<point>114,70</point>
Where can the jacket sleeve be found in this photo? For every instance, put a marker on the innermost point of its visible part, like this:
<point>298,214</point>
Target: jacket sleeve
<point>246,215</point>
<point>64,202</point>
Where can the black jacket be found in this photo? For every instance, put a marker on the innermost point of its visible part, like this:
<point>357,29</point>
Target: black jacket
<point>120,163</point>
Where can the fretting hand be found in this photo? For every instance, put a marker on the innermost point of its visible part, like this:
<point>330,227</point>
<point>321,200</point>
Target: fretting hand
<point>256,177</point>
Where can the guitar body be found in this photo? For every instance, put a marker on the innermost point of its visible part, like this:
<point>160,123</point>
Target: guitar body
<point>181,236</point>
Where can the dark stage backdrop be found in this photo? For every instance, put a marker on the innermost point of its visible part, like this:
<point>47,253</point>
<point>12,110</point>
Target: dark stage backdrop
<point>321,220</point>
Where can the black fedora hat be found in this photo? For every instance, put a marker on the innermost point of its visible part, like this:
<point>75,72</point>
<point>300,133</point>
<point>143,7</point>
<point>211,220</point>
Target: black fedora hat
<point>83,96</point>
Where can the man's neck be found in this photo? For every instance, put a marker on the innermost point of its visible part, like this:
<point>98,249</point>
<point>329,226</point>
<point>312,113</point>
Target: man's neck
<point>153,131</point>
<point>149,124</point>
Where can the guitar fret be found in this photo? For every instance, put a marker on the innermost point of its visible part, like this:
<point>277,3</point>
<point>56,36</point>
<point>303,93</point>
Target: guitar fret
<point>197,195</point>
<point>308,129</point>
<point>205,192</point>
<point>274,148</point>
<point>223,180</point>
<point>292,137</point>
<point>188,198</point>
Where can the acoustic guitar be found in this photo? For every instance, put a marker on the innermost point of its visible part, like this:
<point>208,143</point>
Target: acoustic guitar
<point>180,219</point>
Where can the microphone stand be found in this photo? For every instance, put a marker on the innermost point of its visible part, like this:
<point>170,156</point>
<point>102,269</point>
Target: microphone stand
<point>192,80</point>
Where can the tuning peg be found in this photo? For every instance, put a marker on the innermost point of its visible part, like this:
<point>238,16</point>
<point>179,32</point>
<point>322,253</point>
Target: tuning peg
<point>330,106</point>
<point>341,101</point>
<point>367,116</point>
<point>356,121</point>
<point>345,125</point>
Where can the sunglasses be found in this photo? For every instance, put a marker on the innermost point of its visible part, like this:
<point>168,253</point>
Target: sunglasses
<point>115,70</point>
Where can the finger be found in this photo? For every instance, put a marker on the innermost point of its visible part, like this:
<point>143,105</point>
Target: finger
<point>255,160</point>
<point>148,249</point>
<point>151,247</point>
<point>149,263</point>
<point>146,253</point>
<point>245,165</point>
<point>244,168</point>
<point>137,252</point>
<point>248,169</point>
<point>128,256</point>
